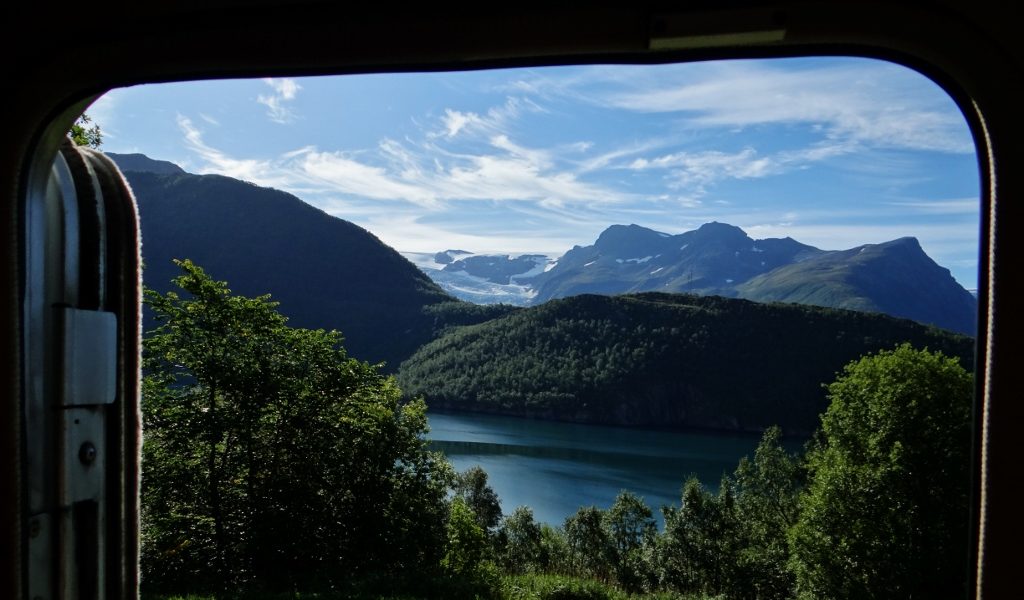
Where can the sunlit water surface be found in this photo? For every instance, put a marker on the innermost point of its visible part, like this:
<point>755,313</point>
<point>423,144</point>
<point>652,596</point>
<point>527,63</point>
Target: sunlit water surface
<point>555,468</point>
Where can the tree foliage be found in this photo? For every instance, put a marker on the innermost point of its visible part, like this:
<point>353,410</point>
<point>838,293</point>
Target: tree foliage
<point>82,134</point>
<point>273,460</point>
<point>631,529</point>
<point>521,543</point>
<point>471,486</point>
<point>767,505</point>
<point>589,546</point>
<point>271,457</point>
<point>697,552</point>
<point>886,511</point>
<point>467,542</point>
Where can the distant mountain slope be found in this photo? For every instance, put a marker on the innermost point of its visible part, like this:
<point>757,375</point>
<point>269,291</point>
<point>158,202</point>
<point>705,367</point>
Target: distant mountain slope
<point>896,278</point>
<point>144,164</point>
<point>708,260</point>
<point>325,272</point>
<point>663,360</point>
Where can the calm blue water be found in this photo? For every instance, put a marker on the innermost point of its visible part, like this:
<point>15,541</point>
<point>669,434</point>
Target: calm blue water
<point>555,468</point>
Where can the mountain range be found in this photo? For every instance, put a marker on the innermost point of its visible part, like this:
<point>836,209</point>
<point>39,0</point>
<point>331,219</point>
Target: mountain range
<point>896,277</point>
<point>647,359</point>
<point>330,273</point>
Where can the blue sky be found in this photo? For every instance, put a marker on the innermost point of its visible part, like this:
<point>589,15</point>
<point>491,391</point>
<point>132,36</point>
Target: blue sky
<point>834,152</point>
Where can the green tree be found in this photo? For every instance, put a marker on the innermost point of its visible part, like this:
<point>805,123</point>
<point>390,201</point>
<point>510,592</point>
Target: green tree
<point>467,563</point>
<point>467,545</point>
<point>631,528</point>
<point>680,547</point>
<point>885,514</point>
<point>471,485</point>
<point>84,135</point>
<point>271,458</point>
<point>521,542</point>
<point>555,556</point>
<point>767,504</point>
<point>590,549</point>
<point>699,549</point>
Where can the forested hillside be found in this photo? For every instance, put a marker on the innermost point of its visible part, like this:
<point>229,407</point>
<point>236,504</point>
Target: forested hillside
<point>663,360</point>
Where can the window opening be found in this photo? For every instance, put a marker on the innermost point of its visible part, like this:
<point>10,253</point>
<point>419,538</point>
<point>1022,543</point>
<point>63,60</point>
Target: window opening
<point>511,234</point>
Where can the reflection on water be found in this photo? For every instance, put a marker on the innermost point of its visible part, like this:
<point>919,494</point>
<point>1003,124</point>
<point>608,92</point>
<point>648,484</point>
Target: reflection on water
<point>555,468</point>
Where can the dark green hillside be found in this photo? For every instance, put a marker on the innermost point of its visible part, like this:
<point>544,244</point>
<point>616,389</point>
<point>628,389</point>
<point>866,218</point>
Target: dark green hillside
<point>662,360</point>
<point>325,272</point>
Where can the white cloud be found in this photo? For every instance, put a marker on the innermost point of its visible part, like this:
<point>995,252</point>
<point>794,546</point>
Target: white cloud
<point>404,172</point>
<point>454,121</point>
<point>285,90</point>
<point>414,233</point>
<point>875,103</point>
<point>695,171</point>
<point>607,159</point>
<point>496,120</point>
<point>255,171</point>
<point>337,172</point>
<point>959,206</point>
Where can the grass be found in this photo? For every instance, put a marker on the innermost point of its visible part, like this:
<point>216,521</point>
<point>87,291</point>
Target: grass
<point>511,587</point>
<point>560,587</point>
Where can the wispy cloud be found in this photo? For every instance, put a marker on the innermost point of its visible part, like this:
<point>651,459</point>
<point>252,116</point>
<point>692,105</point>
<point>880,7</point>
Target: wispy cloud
<point>496,120</point>
<point>958,206</point>
<point>215,161</point>
<point>412,173</point>
<point>864,103</point>
<point>284,91</point>
<point>612,158</point>
<point>873,102</point>
<point>455,121</point>
<point>695,171</point>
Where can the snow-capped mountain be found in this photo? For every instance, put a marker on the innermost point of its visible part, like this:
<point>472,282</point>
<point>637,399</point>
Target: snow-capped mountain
<point>895,277</point>
<point>483,279</point>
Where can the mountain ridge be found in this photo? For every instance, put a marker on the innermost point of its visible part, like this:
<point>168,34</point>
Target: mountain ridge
<point>895,277</point>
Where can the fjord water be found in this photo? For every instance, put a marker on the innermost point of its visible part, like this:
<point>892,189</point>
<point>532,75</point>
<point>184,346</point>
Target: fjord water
<point>555,468</point>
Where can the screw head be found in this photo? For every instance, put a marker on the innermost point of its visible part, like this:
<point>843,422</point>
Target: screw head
<point>87,453</point>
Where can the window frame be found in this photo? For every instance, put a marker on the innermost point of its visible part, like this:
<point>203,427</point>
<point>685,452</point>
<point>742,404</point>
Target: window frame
<point>972,52</point>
